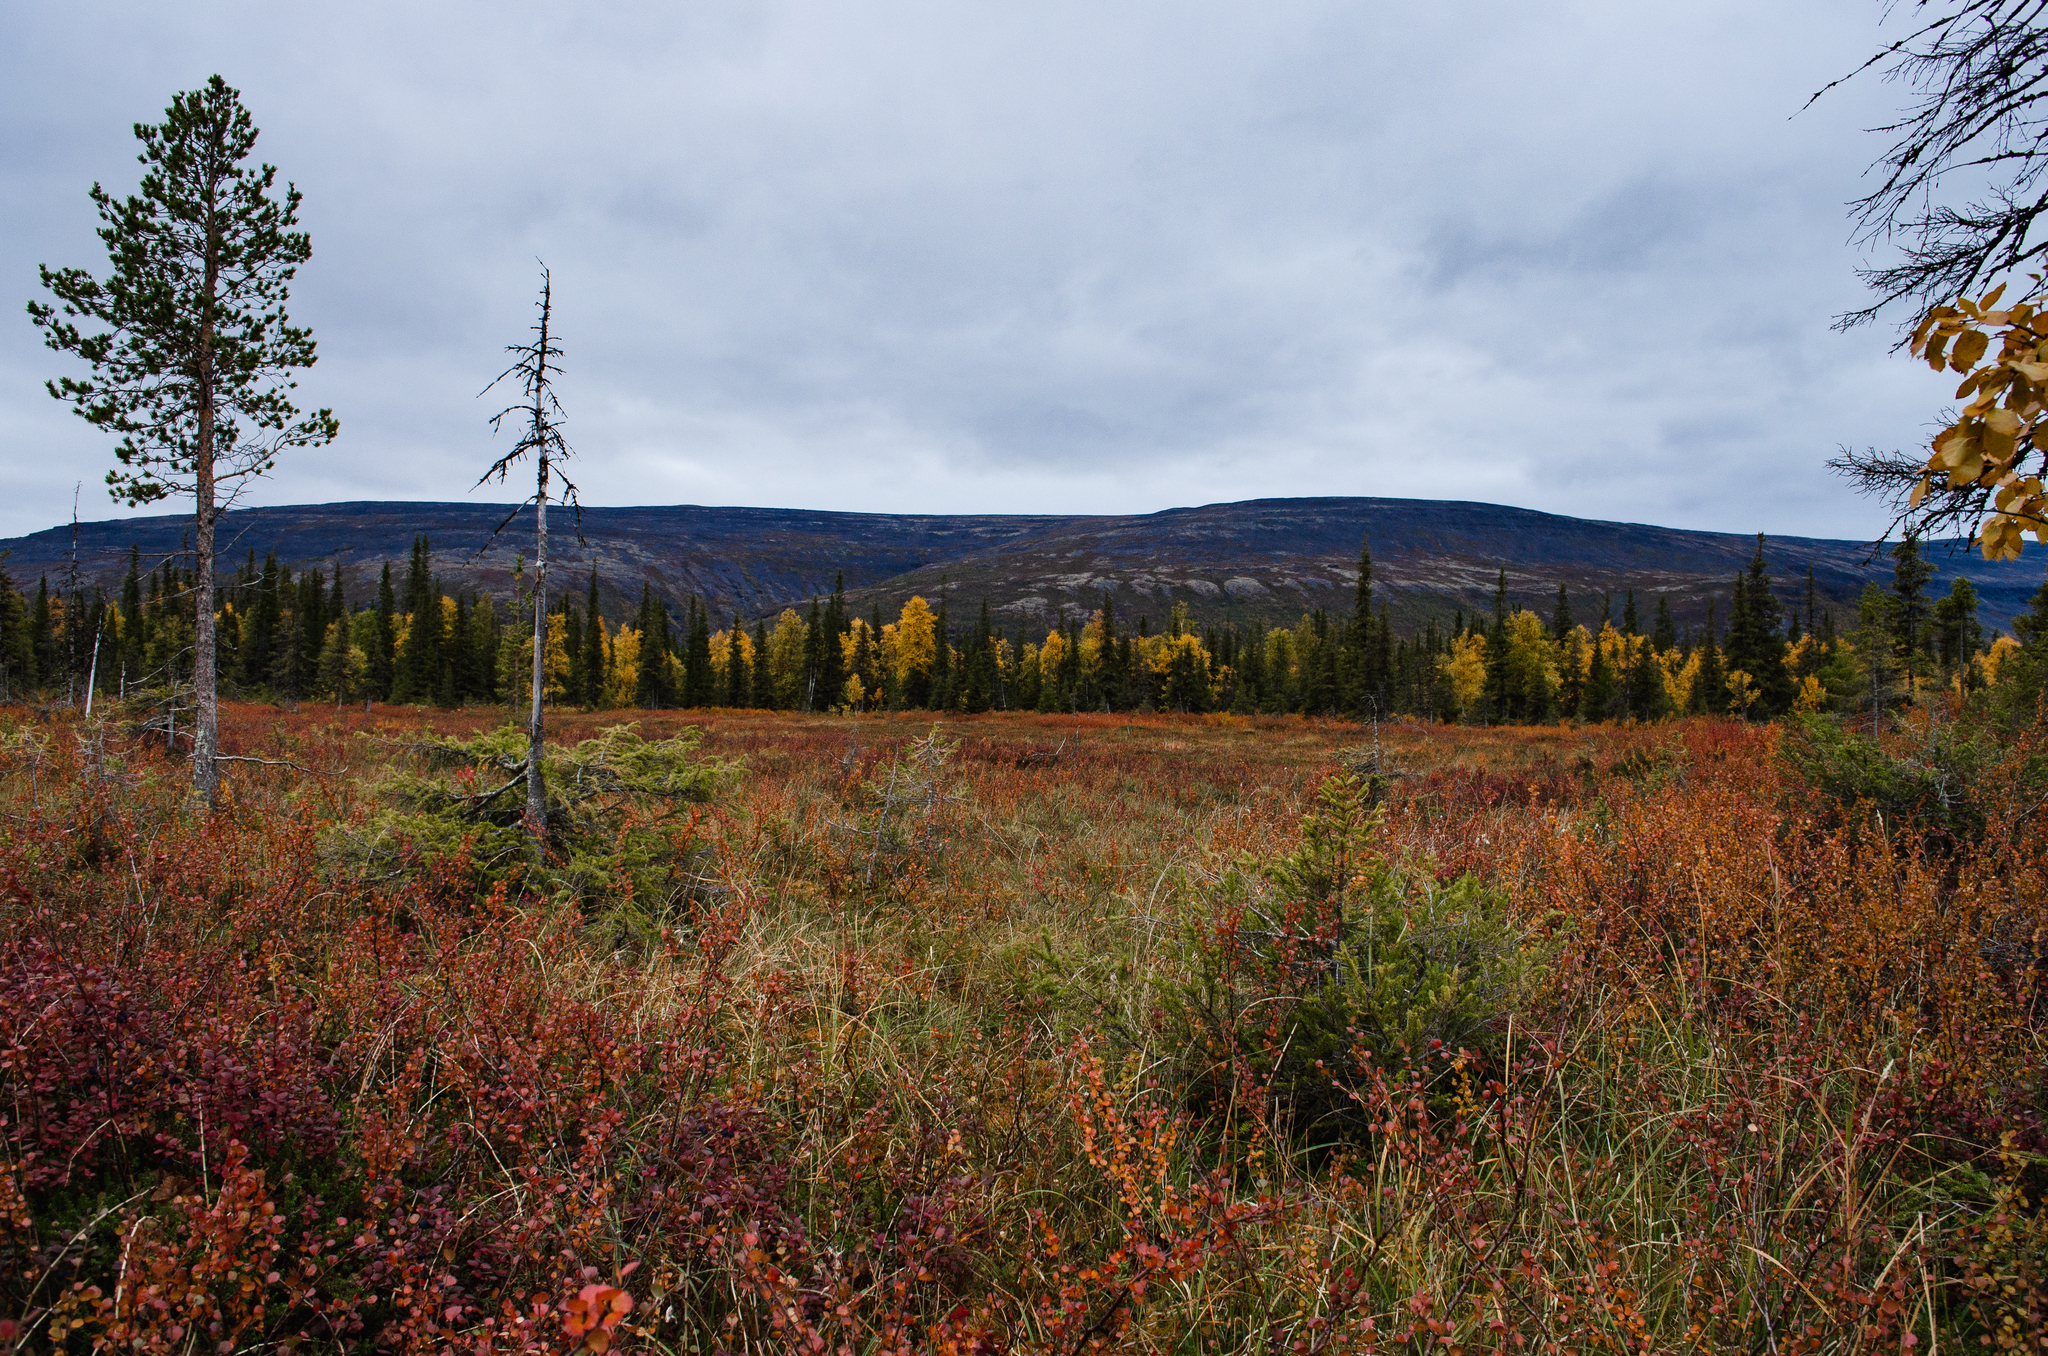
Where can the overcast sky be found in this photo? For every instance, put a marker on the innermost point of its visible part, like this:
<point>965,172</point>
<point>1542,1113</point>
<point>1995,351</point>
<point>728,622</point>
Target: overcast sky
<point>898,255</point>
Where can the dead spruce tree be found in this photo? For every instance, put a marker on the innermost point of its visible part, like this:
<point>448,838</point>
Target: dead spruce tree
<point>534,367</point>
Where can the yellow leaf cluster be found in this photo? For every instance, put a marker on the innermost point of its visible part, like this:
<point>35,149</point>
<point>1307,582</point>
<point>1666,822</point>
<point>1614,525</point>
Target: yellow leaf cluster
<point>2008,396</point>
<point>1742,690</point>
<point>890,649</point>
<point>554,664</point>
<point>1053,652</point>
<point>783,665</point>
<point>917,646</point>
<point>1796,654</point>
<point>722,643</point>
<point>1159,652</point>
<point>1680,672</point>
<point>1529,639</point>
<point>1618,651</point>
<point>1465,666</point>
<point>623,677</point>
<point>2001,649</point>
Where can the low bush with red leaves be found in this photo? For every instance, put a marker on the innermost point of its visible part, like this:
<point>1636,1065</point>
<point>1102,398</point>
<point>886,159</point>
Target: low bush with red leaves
<point>1775,1084</point>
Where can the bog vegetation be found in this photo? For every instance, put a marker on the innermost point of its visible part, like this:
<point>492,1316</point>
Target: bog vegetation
<point>1021,1032</point>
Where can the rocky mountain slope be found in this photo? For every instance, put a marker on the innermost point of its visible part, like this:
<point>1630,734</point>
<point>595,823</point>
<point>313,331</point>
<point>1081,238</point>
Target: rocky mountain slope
<point>1264,559</point>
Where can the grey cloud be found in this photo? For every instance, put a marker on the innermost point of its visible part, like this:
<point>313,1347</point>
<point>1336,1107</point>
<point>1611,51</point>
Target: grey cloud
<point>902,254</point>
<point>1634,228</point>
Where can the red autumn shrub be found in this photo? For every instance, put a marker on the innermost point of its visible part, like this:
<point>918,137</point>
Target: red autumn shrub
<point>1780,1084</point>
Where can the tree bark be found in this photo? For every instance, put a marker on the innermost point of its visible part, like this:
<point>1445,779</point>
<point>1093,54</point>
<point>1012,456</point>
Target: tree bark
<point>536,786</point>
<point>205,678</point>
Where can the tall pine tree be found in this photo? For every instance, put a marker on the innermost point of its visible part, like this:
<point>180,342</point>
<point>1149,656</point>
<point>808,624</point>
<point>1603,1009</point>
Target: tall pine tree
<point>941,698</point>
<point>417,677</point>
<point>1561,616</point>
<point>763,691</point>
<point>194,368</point>
<point>700,681</point>
<point>831,648</point>
<point>1910,607</point>
<point>738,693</point>
<point>594,659</point>
<point>383,656</point>
<point>1776,687</point>
<point>1709,694</point>
<point>977,680</point>
<point>1663,631</point>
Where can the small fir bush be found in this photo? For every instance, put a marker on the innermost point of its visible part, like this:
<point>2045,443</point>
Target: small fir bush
<point>1326,960</point>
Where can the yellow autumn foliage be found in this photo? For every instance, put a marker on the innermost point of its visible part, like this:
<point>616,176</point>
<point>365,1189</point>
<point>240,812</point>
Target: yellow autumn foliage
<point>1159,652</point>
<point>1465,666</point>
<point>1052,653</point>
<point>916,640</point>
<point>783,670</point>
<point>624,676</point>
<point>722,643</point>
<point>1531,656</point>
<point>1993,659</point>
<point>1742,690</point>
<point>2006,386</point>
<point>555,663</point>
<point>1680,671</point>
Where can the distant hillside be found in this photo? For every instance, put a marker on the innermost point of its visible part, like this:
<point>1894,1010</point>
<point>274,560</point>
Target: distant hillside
<point>1262,559</point>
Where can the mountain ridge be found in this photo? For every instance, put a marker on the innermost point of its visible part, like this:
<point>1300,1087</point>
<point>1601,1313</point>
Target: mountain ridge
<point>1265,560</point>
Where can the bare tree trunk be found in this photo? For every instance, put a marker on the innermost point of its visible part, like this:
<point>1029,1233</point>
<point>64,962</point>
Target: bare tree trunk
<point>205,681</point>
<point>206,733</point>
<point>70,626</point>
<point>542,439</point>
<point>536,786</point>
<point>92,675</point>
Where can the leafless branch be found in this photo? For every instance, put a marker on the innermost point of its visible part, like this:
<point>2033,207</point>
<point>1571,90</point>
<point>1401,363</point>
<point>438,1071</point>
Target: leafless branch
<point>1979,74</point>
<point>276,762</point>
<point>1891,477</point>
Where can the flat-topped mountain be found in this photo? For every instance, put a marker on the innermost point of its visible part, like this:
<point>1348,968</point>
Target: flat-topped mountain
<point>1267,560</point>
